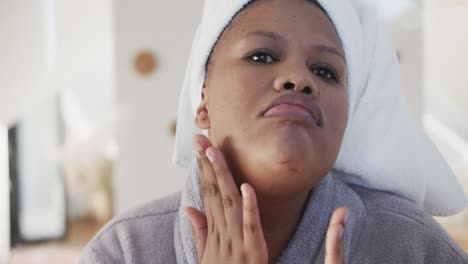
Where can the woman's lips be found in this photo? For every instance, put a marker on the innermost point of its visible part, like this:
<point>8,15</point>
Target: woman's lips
<point>291,111</point>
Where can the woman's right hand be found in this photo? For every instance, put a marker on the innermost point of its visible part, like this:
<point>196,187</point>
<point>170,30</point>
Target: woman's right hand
<point>231,231</point>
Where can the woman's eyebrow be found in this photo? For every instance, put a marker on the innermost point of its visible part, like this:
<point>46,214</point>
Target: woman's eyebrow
<point>331,50</point>
<point>268,34</point>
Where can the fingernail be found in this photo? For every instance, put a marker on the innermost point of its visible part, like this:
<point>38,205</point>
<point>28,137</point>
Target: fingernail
<point>244,191</point>
<point>341,233</point>
<point>346,217</point>
<point>198,146</point>
<point>210,155</point>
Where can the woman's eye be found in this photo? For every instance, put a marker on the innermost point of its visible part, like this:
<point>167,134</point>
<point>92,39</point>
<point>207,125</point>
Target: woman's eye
<point>262,57</point>
<point>325,73</point>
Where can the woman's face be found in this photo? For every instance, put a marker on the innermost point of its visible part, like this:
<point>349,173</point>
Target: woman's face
<point>285,54</point>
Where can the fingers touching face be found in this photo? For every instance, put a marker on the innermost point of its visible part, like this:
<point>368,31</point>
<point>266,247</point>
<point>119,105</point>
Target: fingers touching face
<point>233,220</point>
<point>221,196</point>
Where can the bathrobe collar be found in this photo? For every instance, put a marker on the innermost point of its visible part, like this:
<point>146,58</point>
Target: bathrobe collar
<point>307,243</point>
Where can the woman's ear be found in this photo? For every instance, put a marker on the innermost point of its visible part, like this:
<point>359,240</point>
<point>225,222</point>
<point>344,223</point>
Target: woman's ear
<point>202,119</point>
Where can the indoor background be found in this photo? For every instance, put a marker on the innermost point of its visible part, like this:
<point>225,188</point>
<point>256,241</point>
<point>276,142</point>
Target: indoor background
<point>88,102</point>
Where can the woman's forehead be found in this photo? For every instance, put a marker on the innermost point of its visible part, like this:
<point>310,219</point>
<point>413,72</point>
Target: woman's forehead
<point>283,18</point>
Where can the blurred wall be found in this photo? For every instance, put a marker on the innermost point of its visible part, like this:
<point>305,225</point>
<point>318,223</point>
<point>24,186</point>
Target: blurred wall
<point>26,49</point>
<point>148,104</point>
<point>446,43</point>
<point>84,44</point>
<point>26,52</point>
<point>407,32</point>
<point>85,70</point>
<point>446,78</point>
<point>446,62</point>
<point>47,45</point>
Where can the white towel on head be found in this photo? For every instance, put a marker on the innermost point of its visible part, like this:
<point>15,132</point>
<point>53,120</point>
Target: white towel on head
<point>382,148</point>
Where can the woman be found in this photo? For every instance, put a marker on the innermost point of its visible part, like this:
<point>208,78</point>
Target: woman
<point>292,169</point>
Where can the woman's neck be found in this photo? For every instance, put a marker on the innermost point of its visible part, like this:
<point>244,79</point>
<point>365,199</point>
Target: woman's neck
<point>280,219</point>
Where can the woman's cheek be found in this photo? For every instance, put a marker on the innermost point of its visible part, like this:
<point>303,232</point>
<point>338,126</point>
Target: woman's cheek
<point>337,109</point>
<point>337,121</point>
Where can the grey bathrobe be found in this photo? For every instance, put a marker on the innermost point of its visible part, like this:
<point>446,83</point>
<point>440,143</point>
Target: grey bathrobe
<point>382,228</point>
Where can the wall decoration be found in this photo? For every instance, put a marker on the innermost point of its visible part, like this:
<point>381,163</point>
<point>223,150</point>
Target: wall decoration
<point>145,62</point>
<point>173,128</point>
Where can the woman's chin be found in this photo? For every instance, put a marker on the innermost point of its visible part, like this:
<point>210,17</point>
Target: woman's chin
<point>277,172</point>
<point>278,165</point>
<point>287,151</point>
<point>281,182</point>
<point>284,168</point>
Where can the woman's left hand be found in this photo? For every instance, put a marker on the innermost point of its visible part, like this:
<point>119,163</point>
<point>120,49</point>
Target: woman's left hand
<point>334,248</point>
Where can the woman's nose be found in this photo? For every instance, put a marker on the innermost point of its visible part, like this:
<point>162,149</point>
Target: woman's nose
<point>299,81</point>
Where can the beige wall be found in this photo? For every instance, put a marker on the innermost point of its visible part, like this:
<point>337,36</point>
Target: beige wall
<point>407,35</point>
<point>24,70</point>
<point>84,39</point>
<point>47,45</point>
<point>446,73</point>
<point>148,104</point>
<point>25,51</point>
<point>446,90</point>
<point>446,49</point>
